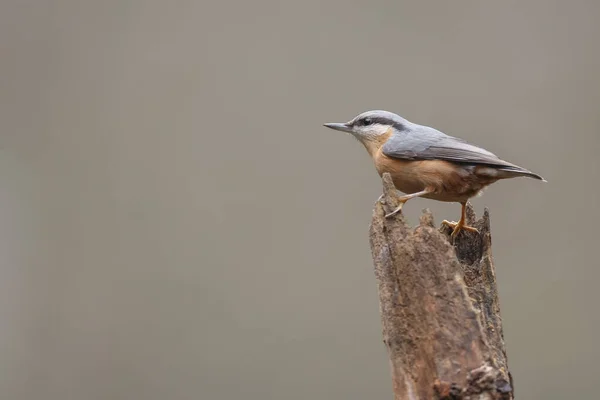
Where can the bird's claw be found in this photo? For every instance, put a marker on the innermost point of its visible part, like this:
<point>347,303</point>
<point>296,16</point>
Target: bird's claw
<point>396,211</point>
<point>458,226</point>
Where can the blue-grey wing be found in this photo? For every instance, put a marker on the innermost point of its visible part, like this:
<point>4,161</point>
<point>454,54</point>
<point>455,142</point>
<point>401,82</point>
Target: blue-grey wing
<point>425,143</point>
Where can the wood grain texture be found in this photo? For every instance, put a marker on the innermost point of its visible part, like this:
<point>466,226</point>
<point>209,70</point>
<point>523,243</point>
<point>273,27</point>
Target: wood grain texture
<point>439,307</point>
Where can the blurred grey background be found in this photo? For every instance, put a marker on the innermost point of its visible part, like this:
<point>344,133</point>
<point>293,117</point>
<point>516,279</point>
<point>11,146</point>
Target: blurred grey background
<point>175,223</point>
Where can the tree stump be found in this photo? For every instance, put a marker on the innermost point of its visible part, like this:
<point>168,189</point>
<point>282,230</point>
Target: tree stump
<point>439,307</point>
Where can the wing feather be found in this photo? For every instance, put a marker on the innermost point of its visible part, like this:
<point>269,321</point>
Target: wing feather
<point>425,143</point>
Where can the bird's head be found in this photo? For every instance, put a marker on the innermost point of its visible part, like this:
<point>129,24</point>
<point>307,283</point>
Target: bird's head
<point>370,124</point>
<point>371,128</point>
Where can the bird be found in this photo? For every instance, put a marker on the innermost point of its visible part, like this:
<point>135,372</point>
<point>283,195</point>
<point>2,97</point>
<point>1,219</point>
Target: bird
<point>425,162</point>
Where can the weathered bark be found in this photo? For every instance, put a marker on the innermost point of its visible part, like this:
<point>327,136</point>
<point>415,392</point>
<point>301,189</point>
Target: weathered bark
<point>439,307</point>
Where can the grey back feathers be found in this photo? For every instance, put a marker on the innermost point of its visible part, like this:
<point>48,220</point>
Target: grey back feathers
<point>418,142</point>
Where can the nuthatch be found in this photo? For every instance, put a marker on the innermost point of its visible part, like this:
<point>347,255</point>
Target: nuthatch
<point>424,162</point>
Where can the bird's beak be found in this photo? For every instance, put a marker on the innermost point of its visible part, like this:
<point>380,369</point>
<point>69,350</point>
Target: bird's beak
<point>339,127</point>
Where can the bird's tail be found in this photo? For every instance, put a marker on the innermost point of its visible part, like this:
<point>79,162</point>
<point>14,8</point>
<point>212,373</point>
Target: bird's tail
<point>514,171</point>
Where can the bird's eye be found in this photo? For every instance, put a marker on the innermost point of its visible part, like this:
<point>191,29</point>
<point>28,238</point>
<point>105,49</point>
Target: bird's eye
<point>367,121</point>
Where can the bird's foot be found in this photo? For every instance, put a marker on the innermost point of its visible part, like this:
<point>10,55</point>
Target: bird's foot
<point>396,211</point>
<point>458,226</point>
<point>380,198</point>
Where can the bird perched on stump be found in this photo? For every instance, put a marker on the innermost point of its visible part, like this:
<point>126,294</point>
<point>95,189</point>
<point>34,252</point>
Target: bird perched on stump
<point>424,162</point>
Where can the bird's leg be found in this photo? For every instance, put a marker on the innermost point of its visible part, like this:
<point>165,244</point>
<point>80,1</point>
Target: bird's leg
<point>381,197</point>
<point>457,226</point>
<point>404,199</point>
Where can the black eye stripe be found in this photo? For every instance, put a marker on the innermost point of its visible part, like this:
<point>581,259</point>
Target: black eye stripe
<point>371,121</point>
<point>365,121</point>
<point>377,120</point>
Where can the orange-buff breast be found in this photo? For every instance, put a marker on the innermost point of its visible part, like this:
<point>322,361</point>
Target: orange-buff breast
<point>450,182</point>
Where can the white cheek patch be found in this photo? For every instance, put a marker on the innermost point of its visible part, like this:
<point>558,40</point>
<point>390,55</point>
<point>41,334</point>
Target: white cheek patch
<point>381,129</point>
<point>373,130</point>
